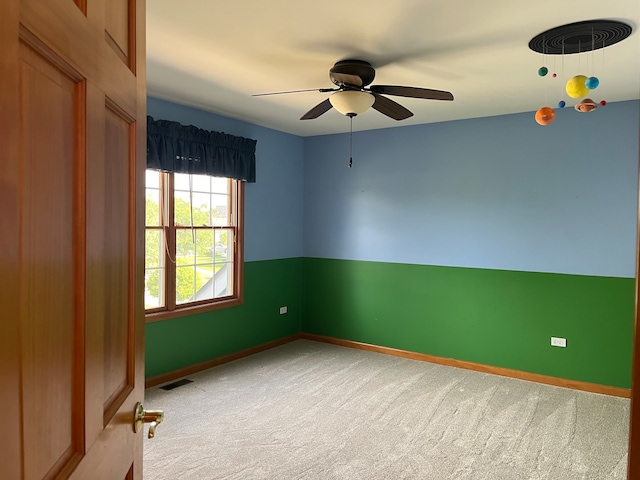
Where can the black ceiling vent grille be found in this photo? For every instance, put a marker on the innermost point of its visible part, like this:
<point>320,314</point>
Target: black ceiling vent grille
<point>580,37</point>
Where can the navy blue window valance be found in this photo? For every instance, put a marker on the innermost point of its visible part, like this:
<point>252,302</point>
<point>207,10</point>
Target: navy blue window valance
<point>177,148</point>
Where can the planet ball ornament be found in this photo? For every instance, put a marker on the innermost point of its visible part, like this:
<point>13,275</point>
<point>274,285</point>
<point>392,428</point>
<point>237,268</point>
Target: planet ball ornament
<point>561,104</point>
<point>542,71</point>
<point>545,115</point>
<point>586,105</point>
<point>576,87</point>
<point>592,83</point>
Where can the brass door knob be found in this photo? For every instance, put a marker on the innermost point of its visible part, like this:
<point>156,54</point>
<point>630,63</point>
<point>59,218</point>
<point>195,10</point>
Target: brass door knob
<point>152,417</point>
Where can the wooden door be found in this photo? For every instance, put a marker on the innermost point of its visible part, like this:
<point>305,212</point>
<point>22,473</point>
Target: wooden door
<point>72,137</point>
<point>633,472</point>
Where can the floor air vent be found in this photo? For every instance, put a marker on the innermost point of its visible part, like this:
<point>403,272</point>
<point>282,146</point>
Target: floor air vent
<point>179,383</point>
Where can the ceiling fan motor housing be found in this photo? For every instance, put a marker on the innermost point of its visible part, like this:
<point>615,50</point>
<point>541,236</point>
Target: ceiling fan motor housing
<point>356,73</point>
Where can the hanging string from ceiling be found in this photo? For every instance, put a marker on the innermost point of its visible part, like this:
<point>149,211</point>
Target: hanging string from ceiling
<point>351,139</point>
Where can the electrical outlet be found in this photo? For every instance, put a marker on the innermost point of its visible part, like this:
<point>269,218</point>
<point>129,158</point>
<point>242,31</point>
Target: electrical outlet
<point>558,342</point>
<point>283,310</point>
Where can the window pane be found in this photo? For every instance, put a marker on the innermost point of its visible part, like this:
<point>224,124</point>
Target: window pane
<point>185,283</point>
<point>204,245</point>
<point>201,183</point>
<point>219,185</point>
<point>181,181</point>
<point>182,208</point>
<point>152,179</point>
<point>220,209</point>
<point>223,245</point>
<point>201,209</point>
<point>152,194</point>
<point>185,247</point>
<point>154,248</point>
<point>152,207</point>
<point>204,264</point>
<point>153,291</point>
<point>154,269</point>
<point>223,280</point>
<point>223,263</point>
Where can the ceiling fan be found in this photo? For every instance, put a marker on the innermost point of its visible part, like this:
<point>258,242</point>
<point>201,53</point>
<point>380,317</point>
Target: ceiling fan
<point>353,94</point>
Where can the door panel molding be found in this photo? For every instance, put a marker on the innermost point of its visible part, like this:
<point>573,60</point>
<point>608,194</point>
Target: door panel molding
<point>52,263</point>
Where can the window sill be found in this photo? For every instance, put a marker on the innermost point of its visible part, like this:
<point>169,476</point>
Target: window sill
<point>192,310</point>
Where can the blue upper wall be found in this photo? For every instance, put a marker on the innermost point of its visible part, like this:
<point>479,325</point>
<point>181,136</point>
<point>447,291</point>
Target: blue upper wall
<point>273,205</point>
<point>496,192</point>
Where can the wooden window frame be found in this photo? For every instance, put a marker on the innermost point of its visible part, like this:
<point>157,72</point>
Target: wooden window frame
<point>171,309</point>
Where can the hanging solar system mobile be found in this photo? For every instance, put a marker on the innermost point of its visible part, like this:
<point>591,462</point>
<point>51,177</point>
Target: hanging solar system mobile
<point>577,38</point>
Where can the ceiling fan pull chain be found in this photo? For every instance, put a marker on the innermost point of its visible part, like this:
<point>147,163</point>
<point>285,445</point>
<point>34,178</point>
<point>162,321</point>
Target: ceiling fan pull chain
<point>350,141</point>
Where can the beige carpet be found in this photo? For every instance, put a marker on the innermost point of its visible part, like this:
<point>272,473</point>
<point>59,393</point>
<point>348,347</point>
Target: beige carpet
<point>308,410</point>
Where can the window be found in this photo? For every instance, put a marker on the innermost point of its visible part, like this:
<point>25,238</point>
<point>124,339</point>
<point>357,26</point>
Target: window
<point>194,242</point>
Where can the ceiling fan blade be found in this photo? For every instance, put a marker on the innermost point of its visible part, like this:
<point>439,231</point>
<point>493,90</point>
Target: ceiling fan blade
<point>321,90</point>
<point>390,108</point>
<point>412,92</point>
<point>318,110</point>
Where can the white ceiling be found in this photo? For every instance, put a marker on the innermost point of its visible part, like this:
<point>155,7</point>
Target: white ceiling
<point>214,54</point>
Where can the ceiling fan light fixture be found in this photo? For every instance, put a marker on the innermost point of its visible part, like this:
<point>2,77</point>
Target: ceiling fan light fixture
<point>351,102</point>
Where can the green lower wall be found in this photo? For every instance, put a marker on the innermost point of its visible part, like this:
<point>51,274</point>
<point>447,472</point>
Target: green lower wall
<point>181,342</point>
<point>494,317</point>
